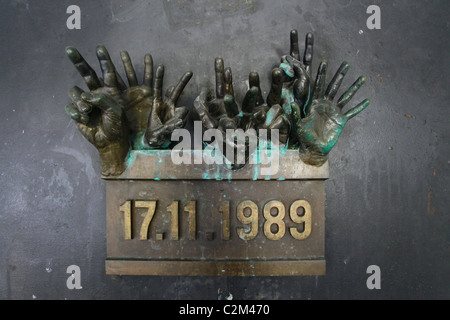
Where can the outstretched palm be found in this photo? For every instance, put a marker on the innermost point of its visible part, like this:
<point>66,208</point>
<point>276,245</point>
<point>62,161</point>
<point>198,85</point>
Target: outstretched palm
<point>324,121</point>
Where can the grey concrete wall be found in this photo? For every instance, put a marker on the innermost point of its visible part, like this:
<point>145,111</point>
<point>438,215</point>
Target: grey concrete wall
<point>387,201</point>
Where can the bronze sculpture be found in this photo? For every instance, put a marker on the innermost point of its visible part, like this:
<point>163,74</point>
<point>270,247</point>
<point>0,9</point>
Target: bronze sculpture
<point>112,113</point>
<point>223,112</point>
<point>316,121</point>
<point>147,196</point>
<point>99,114</point>
<point>117,118</point>
<point>321,125</point>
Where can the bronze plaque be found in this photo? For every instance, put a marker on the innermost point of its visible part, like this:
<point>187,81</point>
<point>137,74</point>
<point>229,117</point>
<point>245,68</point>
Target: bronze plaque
<point>168,215</point>
<point>176,221</point>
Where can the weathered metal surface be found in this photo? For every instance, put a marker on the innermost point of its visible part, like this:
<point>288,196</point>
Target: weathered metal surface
<point>389,200</point>
<point>157,165</point>
<point>117,118</point>
<point>231,227</point>
<point>217,268</point>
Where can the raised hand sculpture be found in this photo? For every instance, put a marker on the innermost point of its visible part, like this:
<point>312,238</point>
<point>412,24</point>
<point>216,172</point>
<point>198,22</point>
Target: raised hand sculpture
<point>99,114</point>
<point>316,120</point>
<point>222,112</point>
<point>112,113</point>
<point>152,117</point>
<point>267,115</point>
<point>319,130</point>
<point>116,117</point>
<point>297,79</point>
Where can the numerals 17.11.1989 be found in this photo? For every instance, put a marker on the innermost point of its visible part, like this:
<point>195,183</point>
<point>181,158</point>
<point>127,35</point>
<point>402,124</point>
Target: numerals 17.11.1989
<point>247,213</point>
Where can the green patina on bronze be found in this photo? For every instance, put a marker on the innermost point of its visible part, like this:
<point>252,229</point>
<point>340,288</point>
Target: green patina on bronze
<point>117,117</point>
<point>319,129</point>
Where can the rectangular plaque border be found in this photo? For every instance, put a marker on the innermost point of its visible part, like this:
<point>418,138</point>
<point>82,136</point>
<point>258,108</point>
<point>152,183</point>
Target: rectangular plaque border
<point>153,166</point>
<point>194,268</point>
<point>158,165</point>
